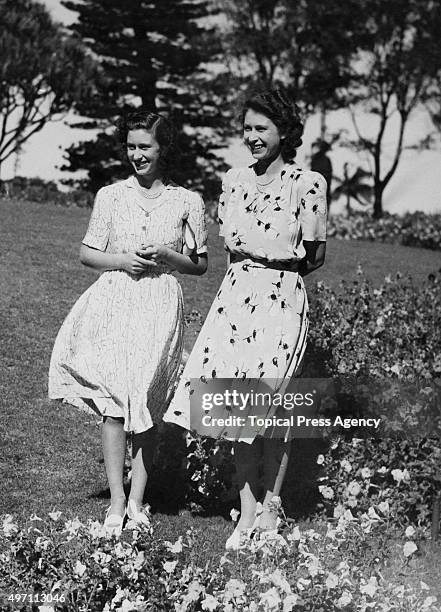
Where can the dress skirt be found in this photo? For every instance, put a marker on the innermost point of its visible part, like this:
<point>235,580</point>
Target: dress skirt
<point>255,333</point>
<point>118,351</point>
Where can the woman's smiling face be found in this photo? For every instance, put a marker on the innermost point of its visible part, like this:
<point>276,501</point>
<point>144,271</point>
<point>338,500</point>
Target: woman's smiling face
<point>143,153</point>
<point>261,136</point>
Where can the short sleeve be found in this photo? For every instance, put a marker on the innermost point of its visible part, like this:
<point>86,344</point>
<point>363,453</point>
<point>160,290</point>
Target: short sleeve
<point>97,235</point>
<point>313,207</point>
<point>196,229</point>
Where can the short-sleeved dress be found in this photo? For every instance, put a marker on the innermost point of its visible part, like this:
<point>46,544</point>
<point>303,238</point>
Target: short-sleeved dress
<point>258,323</point>
<point>119,350</point>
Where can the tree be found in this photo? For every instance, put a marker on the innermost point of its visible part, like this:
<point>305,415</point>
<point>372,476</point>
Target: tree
<point>305,45</point>
<point>353,185</point>
<point>43,73</point>
<point>151,54</point>
<point>396,69</point>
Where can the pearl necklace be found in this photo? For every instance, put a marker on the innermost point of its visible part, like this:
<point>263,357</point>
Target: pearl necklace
<point>145,192</point>
<point>261,186</point>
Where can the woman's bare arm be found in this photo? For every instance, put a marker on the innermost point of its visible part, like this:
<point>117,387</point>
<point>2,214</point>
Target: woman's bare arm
<point>102,261</point>
<point>315,257</point>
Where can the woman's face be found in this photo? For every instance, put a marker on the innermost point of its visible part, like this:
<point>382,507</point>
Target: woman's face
<point>261,136</point>
<point>143,153</point>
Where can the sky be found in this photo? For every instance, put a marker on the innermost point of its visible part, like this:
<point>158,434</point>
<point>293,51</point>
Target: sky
<point>415,186</point>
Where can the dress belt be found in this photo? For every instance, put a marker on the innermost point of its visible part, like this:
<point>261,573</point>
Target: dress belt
<point>288,266</point>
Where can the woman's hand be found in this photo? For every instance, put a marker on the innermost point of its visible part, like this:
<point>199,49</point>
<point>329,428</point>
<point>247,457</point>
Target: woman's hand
<point>136,264</point>
<point>155,253</point>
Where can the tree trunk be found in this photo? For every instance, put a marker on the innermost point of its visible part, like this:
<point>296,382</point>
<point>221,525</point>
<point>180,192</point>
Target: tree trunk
<point>323,122</point>
<point>378,200</point>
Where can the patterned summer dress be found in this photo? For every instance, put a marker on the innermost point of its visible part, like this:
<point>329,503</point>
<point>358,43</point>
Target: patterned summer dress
<point>119,350</point>
<point>258,323</point>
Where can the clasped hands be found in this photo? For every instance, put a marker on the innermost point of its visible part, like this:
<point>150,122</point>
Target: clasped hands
<point>144,258</point>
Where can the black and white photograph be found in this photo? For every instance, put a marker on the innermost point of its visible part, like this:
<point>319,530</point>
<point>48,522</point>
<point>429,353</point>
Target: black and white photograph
<point>220,306</point>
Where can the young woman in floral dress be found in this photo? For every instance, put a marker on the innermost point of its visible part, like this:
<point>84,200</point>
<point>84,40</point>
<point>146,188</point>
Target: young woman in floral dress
<point>273,219</point>
<point>119,350</point>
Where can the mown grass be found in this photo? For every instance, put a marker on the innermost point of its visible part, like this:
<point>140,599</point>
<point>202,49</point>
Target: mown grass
<point>51,455</point>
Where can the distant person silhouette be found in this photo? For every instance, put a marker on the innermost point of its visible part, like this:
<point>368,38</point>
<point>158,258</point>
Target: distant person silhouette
<point>320,162</point>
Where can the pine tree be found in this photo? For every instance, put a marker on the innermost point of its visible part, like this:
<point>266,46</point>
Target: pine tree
<point>151,54</point>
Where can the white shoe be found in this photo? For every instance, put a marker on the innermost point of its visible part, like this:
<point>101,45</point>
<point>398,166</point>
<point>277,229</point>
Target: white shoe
<point>140,516</point>
<point>113,523</point>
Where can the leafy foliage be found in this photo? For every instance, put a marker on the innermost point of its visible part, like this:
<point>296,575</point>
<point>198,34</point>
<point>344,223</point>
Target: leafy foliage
<point>412,229</point>
<point>340,565</point>
<point>43,72</point>
<point>397,68</point>
<point>152,55</point>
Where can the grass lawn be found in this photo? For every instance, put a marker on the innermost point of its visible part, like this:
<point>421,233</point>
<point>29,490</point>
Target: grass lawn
<point>51,456</point>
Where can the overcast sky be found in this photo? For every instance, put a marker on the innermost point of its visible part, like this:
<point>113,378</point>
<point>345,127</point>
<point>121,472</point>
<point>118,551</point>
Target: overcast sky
<point>416,185</point>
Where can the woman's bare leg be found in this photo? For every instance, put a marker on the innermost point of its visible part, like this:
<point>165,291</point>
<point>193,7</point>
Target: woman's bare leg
<point>247,458</point>
<point>275,463</point>
<point>114,450</point>
<point>143,449</point>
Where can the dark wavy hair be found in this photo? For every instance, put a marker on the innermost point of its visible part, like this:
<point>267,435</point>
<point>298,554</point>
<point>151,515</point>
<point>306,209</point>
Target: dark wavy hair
<point>279,106</point>
<point>162,129</point>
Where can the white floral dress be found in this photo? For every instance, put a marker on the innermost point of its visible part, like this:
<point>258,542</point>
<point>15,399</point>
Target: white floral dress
<point>258,323</point>
<point>119,350</point>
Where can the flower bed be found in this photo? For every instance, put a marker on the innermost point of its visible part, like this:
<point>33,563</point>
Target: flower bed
<point>416,229</point>
<point>73,566</point>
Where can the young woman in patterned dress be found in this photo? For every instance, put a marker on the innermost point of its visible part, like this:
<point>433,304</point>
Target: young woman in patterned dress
<point>273,219</point>
<point>118,351</point>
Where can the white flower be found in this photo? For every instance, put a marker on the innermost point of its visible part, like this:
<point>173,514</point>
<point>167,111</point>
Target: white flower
<point>382,470</point>
<point>348,516</point>
<point>338,511</point>
<point>327,492</point>
<point>79,568</point>
<point>176,547</point>
<point>235,588</point>
<point>428,603</point>
<point>373,515</point>
<point>289,602</point>
<point>366,473</point>
<point>410,532</point>
<point>383,507</point>
<point>302,583</point>
<point>344,600</point>
<point>54,515</point>
<point>271,599</point>
<point>72,526</point>
<point>409,548</point>
<point>100,557</point>
<point>234,515</point>
<point>344,463</point>
<point>313,565</point>
<point>169,566</point>
<point>370,587</point>
<point>424,586</point>
<point>9,527</point>
<point>294,536</point>
<point>331,581</point>
<point>353,488</point>
<point>278,579</point>
<point>400,475</point>
<point>210,603</point>
<point>320,459</point>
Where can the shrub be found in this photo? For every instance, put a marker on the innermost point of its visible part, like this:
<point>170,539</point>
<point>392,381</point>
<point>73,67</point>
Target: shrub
<point>416,229</point>
<point>45,192</point>
<point>338,566</point>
